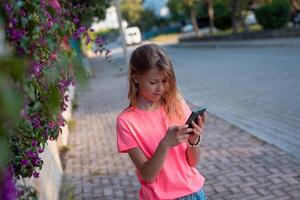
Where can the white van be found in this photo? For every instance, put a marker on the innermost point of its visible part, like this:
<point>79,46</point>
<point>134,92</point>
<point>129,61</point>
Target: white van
<point>133,35</point>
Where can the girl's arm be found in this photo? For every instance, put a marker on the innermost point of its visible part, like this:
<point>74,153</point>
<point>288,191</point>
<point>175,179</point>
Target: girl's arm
<point>193,153</point>
<point>149,169</point>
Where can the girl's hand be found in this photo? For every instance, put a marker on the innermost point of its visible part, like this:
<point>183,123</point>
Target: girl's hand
<point>198,129</point>
<point>176,135</point>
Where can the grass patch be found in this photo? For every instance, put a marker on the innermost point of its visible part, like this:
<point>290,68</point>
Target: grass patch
<point>64,149</point>
<point>170,37</point>
<point>251,28</point>
<point>74,104</point>
<point>62,153</point>
<point>71,124</point>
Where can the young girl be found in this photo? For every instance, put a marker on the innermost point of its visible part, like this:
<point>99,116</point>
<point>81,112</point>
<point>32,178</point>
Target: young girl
<point>152,131</point>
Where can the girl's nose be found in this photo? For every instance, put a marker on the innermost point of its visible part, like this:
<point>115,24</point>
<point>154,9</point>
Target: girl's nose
<point>160,87</point>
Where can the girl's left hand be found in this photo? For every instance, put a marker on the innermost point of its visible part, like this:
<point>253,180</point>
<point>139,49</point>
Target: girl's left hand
<point>198,129</point>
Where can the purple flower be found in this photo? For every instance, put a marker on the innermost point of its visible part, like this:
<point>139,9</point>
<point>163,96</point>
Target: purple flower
<point>49,23</point>
<point>13,22</point>
<point>8,7</point>
<point>76,20</point>
<point>22,12</point>
<point>43,3</point>
<point>79,32</point>
<point>15,34</point>
<point>8,189</point>
<point>52,125</point>
<point>48,15</point>
<point>40,150</point>
<point>36,161</point>
<point>36,174</point>
<point>35,121</point>
<point>34,143</point>
<point>55,4</point>
<point>99,41</point>
<point>45,135</point>
<point>25,163</point>
<point>61,120</point>
<point>64,84</point>
<point>31,154</point>
<point>36,68</point>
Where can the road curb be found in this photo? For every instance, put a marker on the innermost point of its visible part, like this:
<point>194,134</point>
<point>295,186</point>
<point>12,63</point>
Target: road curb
<point>290,43</point>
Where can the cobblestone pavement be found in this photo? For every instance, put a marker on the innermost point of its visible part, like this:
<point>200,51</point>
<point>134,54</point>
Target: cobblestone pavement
<point>236,165</point>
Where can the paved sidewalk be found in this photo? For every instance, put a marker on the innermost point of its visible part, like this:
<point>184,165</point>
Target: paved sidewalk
<point>235,164</point>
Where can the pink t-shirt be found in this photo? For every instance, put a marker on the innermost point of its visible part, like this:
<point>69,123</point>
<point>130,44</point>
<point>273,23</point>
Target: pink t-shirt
<point>145,129</point>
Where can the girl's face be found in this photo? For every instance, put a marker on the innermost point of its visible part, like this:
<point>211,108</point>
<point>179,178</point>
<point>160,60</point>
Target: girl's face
<point>152,84</point>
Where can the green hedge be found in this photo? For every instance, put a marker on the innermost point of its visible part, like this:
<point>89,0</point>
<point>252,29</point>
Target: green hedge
<point>222,16</point>
<point>274,15</point>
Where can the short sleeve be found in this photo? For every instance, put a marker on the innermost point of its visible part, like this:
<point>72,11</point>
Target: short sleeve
<point>125,138</point>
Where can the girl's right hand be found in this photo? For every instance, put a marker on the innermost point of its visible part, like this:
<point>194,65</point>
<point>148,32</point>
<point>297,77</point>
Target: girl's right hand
<point>176,135</point>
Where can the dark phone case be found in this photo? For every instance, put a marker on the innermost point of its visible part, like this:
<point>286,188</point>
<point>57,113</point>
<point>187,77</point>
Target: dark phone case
<point>193,117</point>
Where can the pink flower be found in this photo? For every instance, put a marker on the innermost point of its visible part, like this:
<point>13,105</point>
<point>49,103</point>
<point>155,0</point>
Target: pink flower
<point>52,125</point>
<point>53,57</point>
<point>55,4</point>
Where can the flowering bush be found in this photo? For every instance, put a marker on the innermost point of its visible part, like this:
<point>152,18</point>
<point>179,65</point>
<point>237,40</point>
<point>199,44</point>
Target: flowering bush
<point>39,73</point>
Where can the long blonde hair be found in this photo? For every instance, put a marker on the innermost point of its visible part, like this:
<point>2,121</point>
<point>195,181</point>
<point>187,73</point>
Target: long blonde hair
<point>141,61</point>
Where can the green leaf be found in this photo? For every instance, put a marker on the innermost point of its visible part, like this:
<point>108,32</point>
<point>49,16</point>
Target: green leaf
<point>10,99</point>
<point>36,106</point>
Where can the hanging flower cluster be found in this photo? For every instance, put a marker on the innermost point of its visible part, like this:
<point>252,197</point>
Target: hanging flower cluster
<point>40,31</point>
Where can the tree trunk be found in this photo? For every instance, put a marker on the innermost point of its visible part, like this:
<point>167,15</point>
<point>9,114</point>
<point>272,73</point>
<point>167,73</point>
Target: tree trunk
<point>234,20</point>
<point>210,15</point>
<point>295,4</point>
<point>194,23</point>
<point>243,17</point>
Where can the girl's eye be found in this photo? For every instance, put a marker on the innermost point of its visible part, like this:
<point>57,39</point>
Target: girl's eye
<point>152,83</point>
<point>164,81</point>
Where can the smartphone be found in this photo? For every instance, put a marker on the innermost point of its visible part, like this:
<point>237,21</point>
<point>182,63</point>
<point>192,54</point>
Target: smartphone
<point>194,115</point>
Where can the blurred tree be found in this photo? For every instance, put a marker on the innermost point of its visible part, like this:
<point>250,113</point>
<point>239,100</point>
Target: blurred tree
<point>222,15</point>
<point>132,11</point>
<point>92,8</point>
<point>237,8</point>
<point>149,19</point>
<point>274,15</point>
<point>182,9</point>
<point>178,12</point>
<point>210,10</point>
<point>191,7</point>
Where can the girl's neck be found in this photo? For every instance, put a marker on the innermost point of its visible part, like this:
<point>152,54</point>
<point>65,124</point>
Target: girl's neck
<point>144,104</point>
